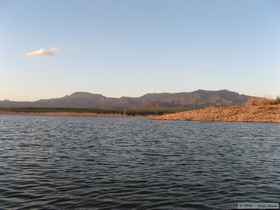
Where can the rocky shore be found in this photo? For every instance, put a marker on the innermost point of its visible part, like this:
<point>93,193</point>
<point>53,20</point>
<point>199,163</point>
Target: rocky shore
<point>254,111</point>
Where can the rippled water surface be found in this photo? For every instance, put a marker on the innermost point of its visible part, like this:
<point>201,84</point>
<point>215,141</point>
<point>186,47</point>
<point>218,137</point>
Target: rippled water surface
<point>134,163</point>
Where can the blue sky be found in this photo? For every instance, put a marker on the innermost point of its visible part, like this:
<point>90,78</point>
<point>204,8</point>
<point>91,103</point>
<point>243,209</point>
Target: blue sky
<point>130,47</point>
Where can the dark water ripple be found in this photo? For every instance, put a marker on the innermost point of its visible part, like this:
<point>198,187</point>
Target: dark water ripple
<point>132,163</point>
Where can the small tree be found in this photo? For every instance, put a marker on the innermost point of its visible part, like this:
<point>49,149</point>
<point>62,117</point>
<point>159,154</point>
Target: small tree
<point>277,101</point>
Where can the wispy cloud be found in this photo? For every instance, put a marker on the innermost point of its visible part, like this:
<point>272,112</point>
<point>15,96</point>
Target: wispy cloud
<point>42,52</point>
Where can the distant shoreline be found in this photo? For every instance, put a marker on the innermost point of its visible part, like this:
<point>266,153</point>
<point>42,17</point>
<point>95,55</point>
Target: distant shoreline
<point>79,112</point>
<point>60,114</point>
<point>91,112</point>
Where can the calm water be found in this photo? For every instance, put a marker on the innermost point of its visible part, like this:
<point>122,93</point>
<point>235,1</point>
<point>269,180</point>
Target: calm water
<point>133,163</point>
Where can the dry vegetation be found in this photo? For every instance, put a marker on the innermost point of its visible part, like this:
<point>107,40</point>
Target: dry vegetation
<point>276,101</point>
<point>253,111</point>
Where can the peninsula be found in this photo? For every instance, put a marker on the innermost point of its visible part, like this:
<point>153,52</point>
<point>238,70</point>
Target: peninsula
<point>254,111</point>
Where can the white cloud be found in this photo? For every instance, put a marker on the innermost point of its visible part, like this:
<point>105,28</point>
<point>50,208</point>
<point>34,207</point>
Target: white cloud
<point>42,52</point>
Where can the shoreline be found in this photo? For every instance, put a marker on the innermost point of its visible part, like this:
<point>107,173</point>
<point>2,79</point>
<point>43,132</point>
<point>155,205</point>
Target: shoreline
<point>265,112</point>
<point>60,114</point>
<point>217,121</point>
<point>254,112</point>
<point>155,118</point>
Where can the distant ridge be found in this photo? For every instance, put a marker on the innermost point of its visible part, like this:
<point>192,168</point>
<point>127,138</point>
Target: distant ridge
<point>182,100</point>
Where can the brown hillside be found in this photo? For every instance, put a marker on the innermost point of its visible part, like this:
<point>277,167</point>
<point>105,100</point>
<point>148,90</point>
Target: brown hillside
<point>253,111</point>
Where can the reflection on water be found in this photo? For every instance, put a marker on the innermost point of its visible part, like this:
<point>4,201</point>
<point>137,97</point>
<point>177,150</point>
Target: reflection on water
<point>126,163</point>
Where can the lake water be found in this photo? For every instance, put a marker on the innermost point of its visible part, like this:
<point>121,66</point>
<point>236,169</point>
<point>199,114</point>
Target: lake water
<point>134,163</point>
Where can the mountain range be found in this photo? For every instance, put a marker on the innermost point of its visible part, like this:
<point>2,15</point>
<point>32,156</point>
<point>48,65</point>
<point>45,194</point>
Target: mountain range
<point>183,100</point>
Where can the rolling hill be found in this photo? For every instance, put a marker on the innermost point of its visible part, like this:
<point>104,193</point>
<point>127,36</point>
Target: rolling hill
<point>183,100</point>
